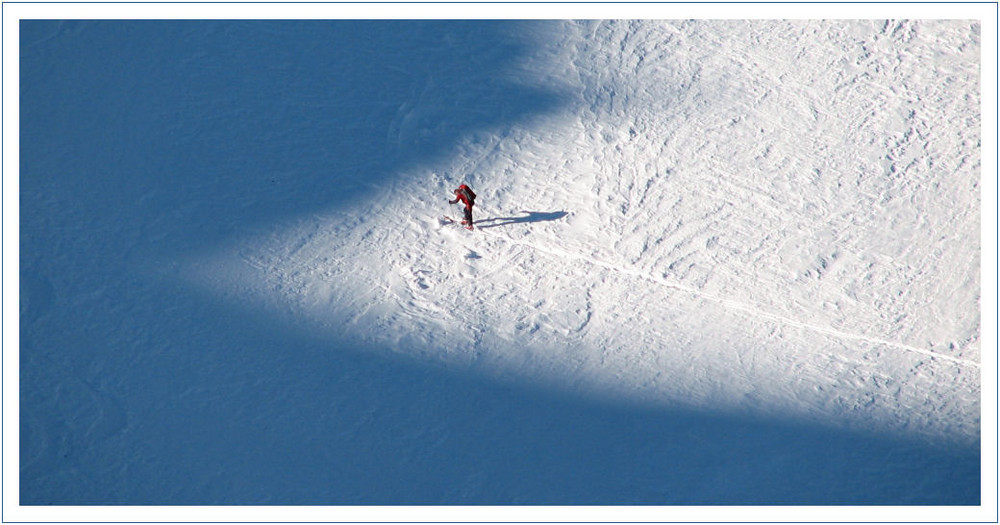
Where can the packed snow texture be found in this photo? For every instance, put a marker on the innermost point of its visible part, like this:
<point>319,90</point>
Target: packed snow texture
<point>716,262</point>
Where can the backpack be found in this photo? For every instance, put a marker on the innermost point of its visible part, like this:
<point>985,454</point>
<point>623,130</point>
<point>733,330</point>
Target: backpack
<point>468,193</point>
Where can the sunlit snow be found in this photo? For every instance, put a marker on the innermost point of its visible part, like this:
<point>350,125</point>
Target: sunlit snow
<point>727,262</point>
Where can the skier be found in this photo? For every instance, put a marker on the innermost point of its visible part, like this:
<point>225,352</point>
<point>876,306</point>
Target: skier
<point>468,197</point>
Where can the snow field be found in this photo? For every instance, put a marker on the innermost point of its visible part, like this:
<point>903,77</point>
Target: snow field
<point>716,262</point>
<point>766,216</point>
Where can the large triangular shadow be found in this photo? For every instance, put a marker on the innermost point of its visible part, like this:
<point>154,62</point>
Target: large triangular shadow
<point>143,142</point>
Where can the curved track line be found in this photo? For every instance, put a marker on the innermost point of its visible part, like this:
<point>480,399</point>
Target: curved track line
<point>751,309</point>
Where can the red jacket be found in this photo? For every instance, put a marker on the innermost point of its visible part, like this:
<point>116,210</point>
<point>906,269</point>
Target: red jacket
<point>465,194</point>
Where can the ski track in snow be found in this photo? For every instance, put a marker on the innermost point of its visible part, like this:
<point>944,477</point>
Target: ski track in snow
<point>752,310</point>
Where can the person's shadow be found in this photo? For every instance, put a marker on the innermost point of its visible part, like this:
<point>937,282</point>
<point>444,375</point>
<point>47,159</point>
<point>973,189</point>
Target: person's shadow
<point>531,216</point>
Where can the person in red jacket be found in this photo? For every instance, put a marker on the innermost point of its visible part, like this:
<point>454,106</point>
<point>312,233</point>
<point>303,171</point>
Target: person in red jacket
<point>468,197</point>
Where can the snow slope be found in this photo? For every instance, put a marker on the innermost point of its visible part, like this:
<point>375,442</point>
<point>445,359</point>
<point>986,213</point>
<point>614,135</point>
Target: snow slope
<point>717,262</point>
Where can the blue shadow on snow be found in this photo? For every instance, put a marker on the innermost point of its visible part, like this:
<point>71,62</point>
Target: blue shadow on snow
<point>143,142</point>
<point>529,217</point>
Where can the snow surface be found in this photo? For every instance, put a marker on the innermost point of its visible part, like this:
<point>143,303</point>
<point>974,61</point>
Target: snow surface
<point>717,262</point>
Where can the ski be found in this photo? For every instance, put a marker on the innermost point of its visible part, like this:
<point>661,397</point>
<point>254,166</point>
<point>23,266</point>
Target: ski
<point>448,220</point>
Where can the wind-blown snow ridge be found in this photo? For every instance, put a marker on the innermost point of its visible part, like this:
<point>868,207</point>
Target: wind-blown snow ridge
<point>738,305</point>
